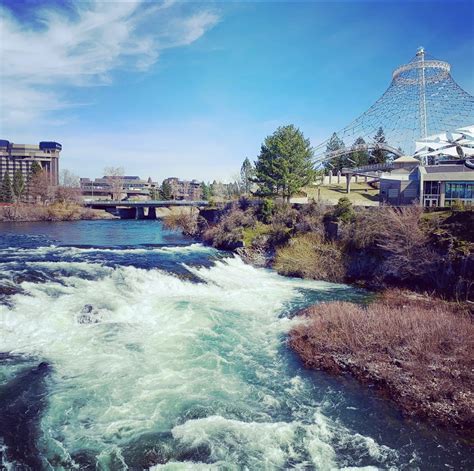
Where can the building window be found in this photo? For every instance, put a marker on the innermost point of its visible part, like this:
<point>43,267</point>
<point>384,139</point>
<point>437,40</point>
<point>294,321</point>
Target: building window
<point>432,188</point>
<point>461,191</point>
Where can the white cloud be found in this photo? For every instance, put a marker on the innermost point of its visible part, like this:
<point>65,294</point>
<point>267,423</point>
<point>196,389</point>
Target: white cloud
<point>83,48</point>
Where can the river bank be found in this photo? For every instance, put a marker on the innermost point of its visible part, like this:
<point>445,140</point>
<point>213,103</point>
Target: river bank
<point>63,211</point>
<point>416,349</point>
<point>377,248</point>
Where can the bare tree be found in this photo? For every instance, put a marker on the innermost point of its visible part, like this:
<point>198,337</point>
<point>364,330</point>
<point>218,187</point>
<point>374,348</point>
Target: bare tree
<point>39,186</point>
<point>114,176</point>
<point>68,179</point>
<point>68,194</point>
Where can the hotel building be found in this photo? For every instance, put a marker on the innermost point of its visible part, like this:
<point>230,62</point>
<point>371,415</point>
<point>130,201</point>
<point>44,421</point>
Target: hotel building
<point>15,157</point>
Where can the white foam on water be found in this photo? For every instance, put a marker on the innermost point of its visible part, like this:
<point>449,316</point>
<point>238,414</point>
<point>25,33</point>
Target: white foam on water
<point>201,360</point>
<point>257,445</point>
<point>78,251</point>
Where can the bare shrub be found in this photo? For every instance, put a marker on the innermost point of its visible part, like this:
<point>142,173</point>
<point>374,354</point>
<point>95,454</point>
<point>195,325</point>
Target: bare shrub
<point>228,232</point>
<point>310,218</point>
<point>284,215</point>
<point>308,256</point>
<point>188,223</point>
<point>278,235</point>
<point>420,352</point>
<point>67,194</point>
<point>22,212</point>
<point>366,228</point>
<point>59,211</point>
<point>402,237</point>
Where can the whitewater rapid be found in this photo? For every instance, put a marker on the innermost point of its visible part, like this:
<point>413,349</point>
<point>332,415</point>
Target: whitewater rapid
<point>171,368</point>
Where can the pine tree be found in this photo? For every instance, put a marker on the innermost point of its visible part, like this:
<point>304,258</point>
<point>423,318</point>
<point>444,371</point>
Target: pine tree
<point>285,163</point>
<point>18,184</point>
<point>334,144</point>
<point>360,157</point>
<point>247,172</point>
<point>154,193</point>
<point>166,191</point>
<point>379,156</point>
<point>6,192</point>
<point>206,191</point>
<point>35,168</point>
<point>33,175</point>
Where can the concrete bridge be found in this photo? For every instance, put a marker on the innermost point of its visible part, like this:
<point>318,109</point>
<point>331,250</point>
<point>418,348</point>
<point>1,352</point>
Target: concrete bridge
<point>141,209</point>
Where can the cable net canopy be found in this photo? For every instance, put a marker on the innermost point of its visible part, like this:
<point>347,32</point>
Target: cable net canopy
<point>422,99</point>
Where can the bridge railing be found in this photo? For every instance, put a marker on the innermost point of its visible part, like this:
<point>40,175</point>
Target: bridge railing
<point>367,168</point>
<point>326,156</point>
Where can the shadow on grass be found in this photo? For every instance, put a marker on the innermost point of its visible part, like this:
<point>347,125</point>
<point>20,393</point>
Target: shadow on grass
<point>359,191</point>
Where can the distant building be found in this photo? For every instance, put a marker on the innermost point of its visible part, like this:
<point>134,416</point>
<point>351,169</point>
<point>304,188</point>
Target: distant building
<point>128,185</point>
<point>21,156</point>
<point>432,185</point>
<point>184,189</point>
<point>401,184</point>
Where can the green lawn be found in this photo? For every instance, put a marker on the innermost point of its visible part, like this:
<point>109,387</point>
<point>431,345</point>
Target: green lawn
<point>361,193</point>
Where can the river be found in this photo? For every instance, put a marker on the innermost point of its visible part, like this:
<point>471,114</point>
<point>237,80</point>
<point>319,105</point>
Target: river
<point>127,346</point>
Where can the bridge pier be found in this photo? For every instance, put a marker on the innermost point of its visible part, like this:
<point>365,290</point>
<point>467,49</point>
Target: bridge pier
<point>151,213</point>
<point>126,213</point>
<point>139,213</point>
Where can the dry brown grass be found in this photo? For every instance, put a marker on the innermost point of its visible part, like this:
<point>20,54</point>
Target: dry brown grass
<point>308,256</point>
<point>59,211</point>
<point>419,352</point>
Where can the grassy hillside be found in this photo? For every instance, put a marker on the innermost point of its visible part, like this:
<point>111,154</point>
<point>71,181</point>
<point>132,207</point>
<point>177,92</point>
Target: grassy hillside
<point>361,193</point>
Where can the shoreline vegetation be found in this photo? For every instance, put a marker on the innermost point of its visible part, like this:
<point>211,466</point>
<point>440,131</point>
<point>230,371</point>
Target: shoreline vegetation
<point>58,211</point>
<point>414,342</point>
<point>416,351</point>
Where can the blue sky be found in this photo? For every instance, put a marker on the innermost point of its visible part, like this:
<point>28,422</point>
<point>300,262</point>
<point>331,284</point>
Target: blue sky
<point>190,89</point>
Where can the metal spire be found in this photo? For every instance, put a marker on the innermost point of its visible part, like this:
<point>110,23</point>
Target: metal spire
<point>422,98</point>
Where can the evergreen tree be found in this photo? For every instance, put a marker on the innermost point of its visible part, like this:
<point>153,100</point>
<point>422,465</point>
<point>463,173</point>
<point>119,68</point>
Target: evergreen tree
<point>18,184</point>
<point>360,157</point>
<point>337,163</point>
<point>33,176</point>
<point>344,211</point>
<point>379,156</point>
<point>35,168</point>
<point>154,193</point>
<point>247,173</point>
<point>285,163</point>
<point>206,191</point>
<point>166,191</point>
<point>6,191</point>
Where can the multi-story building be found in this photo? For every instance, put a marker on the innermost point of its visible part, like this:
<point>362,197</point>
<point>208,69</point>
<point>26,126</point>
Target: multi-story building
<point>112,186</point>
<point>184,189</point>
<point>15,157</point>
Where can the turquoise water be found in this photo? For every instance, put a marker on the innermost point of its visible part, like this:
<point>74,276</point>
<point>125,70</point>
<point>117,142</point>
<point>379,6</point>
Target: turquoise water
<point>126,346</point>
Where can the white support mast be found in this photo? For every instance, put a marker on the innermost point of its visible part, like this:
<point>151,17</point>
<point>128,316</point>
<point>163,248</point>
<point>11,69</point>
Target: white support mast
<point>422,92</point>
